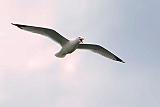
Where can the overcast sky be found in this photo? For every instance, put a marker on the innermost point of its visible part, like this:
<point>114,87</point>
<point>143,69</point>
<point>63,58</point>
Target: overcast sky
<point>31,76</point>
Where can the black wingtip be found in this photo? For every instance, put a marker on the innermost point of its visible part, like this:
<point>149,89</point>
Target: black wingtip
<point>120,60</point>
<point>18,25</point>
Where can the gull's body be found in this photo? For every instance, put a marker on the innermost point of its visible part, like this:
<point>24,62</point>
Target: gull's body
<point>69,46</point>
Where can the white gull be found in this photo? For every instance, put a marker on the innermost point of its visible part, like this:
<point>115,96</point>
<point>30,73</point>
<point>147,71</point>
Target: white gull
<point>69,46</point>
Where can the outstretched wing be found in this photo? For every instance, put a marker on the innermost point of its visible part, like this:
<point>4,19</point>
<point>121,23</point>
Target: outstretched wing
<point>100,50</point>
<point>44,31</point>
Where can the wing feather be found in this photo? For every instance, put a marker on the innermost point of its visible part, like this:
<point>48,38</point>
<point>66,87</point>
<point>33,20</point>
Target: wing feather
<point>44,31</point>
<point>100,50</point>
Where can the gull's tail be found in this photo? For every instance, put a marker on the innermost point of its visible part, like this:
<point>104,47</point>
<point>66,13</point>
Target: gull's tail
<point>59,55</point>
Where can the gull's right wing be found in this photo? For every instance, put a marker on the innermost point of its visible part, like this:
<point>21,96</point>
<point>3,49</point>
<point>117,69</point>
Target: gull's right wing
<point>44,31</point>
<point>100,50</point>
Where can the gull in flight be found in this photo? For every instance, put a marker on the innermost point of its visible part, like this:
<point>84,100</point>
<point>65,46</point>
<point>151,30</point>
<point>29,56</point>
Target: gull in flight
<point>69,46</point>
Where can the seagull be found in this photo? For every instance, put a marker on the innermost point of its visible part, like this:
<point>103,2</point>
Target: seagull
<point>68,46</point>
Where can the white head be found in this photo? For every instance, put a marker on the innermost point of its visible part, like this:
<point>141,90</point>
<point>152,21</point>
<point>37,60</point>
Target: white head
<point>80,39</point>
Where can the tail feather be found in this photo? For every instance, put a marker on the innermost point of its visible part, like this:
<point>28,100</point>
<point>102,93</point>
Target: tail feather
<point>59,55</point>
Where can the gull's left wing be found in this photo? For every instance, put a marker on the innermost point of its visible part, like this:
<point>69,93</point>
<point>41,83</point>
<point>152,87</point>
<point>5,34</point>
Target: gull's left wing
<point>44,31</point>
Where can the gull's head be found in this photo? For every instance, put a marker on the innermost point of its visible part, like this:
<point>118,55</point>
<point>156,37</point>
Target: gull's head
<point>80,39</point>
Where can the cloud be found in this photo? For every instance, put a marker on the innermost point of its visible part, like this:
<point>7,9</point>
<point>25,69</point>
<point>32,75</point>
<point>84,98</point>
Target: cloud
<point>30,74</point>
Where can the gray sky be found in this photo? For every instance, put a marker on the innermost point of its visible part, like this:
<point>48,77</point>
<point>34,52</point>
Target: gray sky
<point>31,76</point>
